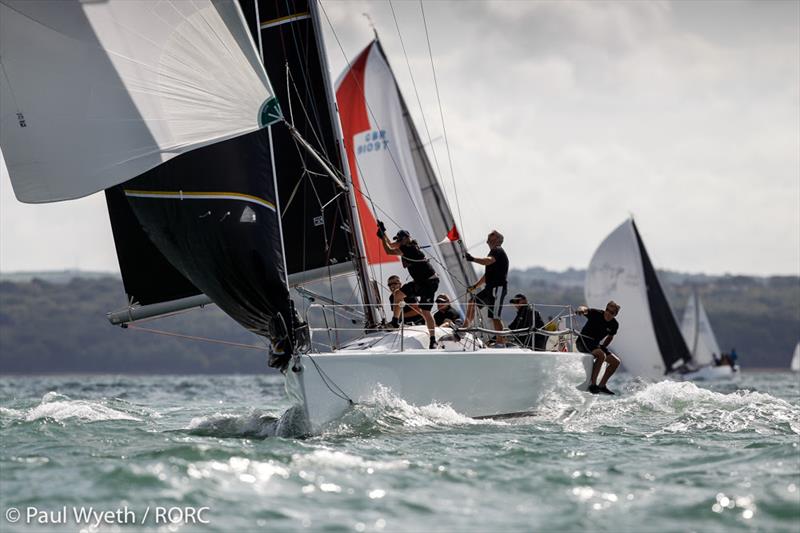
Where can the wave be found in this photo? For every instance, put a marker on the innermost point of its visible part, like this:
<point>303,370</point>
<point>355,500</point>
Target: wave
<point>681,407</point>
<point>59,407</point>
<point>254,425</point>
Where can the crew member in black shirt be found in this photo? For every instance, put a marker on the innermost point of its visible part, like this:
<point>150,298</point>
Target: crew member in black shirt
<point>445,315</point>
<point>494,277</point>
<point>410,317</point>
<point>527,318</point>
<point>596,335</point>
<point>424,281</point>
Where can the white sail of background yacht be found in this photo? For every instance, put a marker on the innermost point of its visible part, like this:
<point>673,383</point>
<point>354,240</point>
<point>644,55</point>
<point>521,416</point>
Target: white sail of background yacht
<point>795,365</point>
<point>697,332</point>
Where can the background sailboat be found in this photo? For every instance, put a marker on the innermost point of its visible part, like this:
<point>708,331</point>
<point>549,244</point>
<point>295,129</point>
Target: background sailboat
<point>795,364</point>
<point>699,336</point>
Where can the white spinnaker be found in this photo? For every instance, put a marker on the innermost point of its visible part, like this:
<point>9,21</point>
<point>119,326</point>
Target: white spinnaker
<point>796,358</point>
<point>95,93</point>
<point>616,273</point>
<point>389,176</point>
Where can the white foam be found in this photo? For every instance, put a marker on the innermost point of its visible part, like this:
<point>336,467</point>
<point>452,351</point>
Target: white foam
<point>59,407</point>
<point>680,407</point>
<point>337,459</point>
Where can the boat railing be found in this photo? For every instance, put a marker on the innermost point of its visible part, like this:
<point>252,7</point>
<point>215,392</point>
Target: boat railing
<point>333,325</point>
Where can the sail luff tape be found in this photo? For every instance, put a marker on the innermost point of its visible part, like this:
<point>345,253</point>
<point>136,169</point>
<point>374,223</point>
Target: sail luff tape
<point>284,20</point>
<point>183,195</point>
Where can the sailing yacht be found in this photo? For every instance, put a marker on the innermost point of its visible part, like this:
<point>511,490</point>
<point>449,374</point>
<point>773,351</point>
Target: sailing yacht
<point>795,364</point>
<point>230,178</point>
<point>649,342</point>
<point>699,336</point>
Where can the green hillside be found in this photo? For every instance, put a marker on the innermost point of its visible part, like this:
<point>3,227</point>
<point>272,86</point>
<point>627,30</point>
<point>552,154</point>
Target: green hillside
<point>60,326</point>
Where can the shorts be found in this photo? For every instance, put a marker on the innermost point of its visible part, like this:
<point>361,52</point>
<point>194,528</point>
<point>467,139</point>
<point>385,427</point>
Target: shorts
<point>421,292</point>
<point>588,345</point>
<point>492,297</point>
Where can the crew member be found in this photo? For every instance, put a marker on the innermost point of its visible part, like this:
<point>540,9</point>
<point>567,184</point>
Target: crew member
<point>445,314</point>
<point>596,335</point>
<point>494,277</point>
<point>424,281</point>
<point>525,319</point>
<point>410,316</point>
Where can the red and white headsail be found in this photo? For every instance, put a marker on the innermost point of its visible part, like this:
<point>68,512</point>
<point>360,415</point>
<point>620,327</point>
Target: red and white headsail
<point>379,151</point>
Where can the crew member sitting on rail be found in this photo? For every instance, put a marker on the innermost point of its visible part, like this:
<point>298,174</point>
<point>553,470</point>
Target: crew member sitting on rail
<point>424,280</point>
<point>527,318</point>
<point>410,316</point>
<point>446,315</point>
<point>494,293</point>
<point>596,335</point>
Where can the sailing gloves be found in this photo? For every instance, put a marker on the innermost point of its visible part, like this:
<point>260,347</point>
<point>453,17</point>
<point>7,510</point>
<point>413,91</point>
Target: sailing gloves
<point>381,229</point>
<point>468,256</point>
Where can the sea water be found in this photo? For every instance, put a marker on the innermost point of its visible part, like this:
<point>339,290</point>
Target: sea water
<point>211,453</point>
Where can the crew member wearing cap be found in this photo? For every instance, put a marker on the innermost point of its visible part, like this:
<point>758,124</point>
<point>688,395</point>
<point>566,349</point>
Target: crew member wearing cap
<point>424,281</point>
<point>525,319</point>
<point>445,314</point>
<point>596,335</point>
<point>494,277</point>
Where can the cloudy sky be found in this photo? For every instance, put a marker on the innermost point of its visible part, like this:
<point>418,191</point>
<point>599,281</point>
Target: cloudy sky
<point>562,119</point>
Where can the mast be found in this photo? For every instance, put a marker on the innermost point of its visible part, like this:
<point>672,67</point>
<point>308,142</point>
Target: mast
<point>360,259</point>
<point>696,302</point>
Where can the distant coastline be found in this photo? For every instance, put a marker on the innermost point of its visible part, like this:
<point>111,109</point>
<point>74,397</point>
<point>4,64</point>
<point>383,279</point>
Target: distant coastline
<point>54,323</point>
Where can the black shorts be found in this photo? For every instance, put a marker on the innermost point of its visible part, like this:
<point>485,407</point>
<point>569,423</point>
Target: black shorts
<point>589,345</point>
<point>492,297</point>
<point>421,292</point>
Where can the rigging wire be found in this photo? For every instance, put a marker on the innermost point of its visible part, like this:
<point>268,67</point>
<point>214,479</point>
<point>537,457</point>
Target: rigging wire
<point>416,92</point>
<point>441,114</point>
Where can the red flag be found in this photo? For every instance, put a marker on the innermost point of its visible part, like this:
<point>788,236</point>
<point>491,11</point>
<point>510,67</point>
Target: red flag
<point>453,235</point>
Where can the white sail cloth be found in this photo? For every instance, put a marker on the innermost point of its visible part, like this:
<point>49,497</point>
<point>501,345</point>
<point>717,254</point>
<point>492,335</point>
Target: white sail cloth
<point>616,273</point>
<point>95,93</point>
<point>382,167</point>
<point>698,334</point>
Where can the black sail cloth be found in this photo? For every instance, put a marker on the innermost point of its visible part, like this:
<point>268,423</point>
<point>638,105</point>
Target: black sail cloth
<point>211,213</point>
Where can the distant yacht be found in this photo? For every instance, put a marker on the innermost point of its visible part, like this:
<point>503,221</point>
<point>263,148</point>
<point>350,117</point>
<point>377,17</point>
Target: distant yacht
<point>796,358</point>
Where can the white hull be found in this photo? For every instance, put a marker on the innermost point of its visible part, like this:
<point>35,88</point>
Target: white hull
<point>711,373</point>
<point>482,383</point>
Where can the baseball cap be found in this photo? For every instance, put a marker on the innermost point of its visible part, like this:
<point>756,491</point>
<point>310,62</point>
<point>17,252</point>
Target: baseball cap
<point>401,234</point>
<point>442,299</point>
<point>517,297</point>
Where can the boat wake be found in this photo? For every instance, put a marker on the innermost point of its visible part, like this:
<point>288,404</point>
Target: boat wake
<point>254,424</point>
<point>384,412</point>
